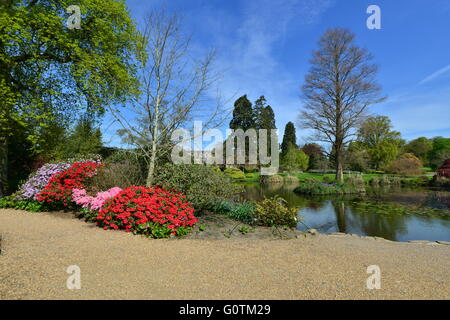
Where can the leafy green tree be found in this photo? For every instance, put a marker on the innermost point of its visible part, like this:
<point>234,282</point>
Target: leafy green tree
<point>421,148</point>
<point>315,154</point>
<point>264,115</point>
<point>264,119</point>
<point>440,152</point>
<point>243,116</point>
<point>294,159</point>
<point>376,136</point>
<point>289,138</point>
<point>84,140</point>
<point>48,69</point>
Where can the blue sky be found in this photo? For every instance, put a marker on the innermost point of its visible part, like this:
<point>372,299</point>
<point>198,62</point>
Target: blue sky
<point>264,47</point>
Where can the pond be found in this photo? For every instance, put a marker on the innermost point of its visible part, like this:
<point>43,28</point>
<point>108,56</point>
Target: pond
<point>396,214</point>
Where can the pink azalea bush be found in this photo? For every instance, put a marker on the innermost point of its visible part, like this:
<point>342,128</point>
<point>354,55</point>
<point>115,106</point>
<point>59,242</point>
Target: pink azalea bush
<point>81,198</point>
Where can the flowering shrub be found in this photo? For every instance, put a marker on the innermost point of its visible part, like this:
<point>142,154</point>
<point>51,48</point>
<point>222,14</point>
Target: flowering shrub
<point>59,189</point>
<point>275,212</point>
<point>151,211</point>
<point>39,180</point>
<point>81,198</point>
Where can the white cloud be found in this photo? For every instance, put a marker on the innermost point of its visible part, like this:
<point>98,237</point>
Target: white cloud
<point>435,75</point>
<point>249,53</point>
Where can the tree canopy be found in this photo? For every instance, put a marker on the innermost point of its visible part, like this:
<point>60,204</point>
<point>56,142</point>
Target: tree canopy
<point>47,69</point>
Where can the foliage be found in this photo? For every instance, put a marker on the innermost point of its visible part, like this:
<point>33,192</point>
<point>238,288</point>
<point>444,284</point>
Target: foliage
<point>290,179</point>
<point>274,212</point>
<point>123,173</point>
<point>84,141</point>
<point>202,185</point>
<point>272,179</point>
<point>440,152</point>
<point>358,160</point>
<point>406,164</point>
<point>264,115</point>
<point>294,159</point>
<point>58,192</point>
<point>234,173</point>
<point>243,116</point>
<point>242,212</point>
<point>153,212</point>
<point>312,187</point>
<point>315,154</point>
<point>289,138</point>
<point>421,148</point>
<point>375,136</point>
<point>47,71</point>
<point>12,203</point>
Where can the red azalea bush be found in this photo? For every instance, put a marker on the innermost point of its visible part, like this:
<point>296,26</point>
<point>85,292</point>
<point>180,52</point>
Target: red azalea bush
<point>60,187</point>
<point>151,211</point>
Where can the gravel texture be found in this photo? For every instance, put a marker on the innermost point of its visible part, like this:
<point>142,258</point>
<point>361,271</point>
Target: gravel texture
<point>37,248</point>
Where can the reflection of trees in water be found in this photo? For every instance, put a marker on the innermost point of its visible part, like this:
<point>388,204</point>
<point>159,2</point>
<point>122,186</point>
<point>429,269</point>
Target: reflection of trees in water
<point>339,209</point>
<point>351,218</point>
<point>437,200</point>
<point>419,196</point>
<point>257,192</point>
<point>388,226</point>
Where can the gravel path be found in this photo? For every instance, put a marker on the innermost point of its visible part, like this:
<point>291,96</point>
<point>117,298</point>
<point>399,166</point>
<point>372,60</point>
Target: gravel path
<point>38,247</point>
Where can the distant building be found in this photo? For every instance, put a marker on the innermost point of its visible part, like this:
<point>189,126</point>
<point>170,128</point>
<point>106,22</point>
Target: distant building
<point>444,171</point>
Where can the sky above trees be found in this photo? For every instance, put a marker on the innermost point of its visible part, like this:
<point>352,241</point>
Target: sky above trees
<point>264,48</point>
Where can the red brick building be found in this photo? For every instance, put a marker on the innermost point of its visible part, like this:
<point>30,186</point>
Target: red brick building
<point>444,171</point>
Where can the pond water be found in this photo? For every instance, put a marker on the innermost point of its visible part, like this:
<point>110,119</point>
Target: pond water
<point>369,215</point>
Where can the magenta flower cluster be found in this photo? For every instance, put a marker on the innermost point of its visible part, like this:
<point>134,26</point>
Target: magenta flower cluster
<point>81,198</point>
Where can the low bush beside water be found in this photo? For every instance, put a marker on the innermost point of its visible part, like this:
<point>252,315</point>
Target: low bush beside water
<point>203,186</point>
<point>271,212</point>
<point>275,212</point>
<point>234,173</point>
<point>318,188</point>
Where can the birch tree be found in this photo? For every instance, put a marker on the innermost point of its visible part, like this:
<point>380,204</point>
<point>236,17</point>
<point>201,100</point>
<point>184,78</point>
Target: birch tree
<point>176,90</point>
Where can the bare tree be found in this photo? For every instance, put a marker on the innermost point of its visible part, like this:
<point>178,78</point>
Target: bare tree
<point>338,90</point>
<point>175,90</point>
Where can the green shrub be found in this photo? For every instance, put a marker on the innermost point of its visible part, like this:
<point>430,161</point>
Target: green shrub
<point>234,173</point>
<point>251,176</point>
<point>317,188</point>
<point>406,164</point>
<point>242,212</point>
<point>355,180</point>
<point>29,205</point>
<point>327,180</point>
<point>121,174</point>
<point>272,179</point>
<point>203,186</point>
<point>290,179</point>
<point>274,212</point>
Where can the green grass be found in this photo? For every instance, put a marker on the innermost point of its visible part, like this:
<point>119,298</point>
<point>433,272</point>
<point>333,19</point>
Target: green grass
<point>255,177</point>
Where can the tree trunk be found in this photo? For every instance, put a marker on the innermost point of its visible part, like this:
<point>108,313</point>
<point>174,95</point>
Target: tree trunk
<point>3,166</point>
<point>151,167</point>
<point>339,163</point>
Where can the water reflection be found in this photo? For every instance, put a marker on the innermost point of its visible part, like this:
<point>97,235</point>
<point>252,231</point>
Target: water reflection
<point>341,214</point>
